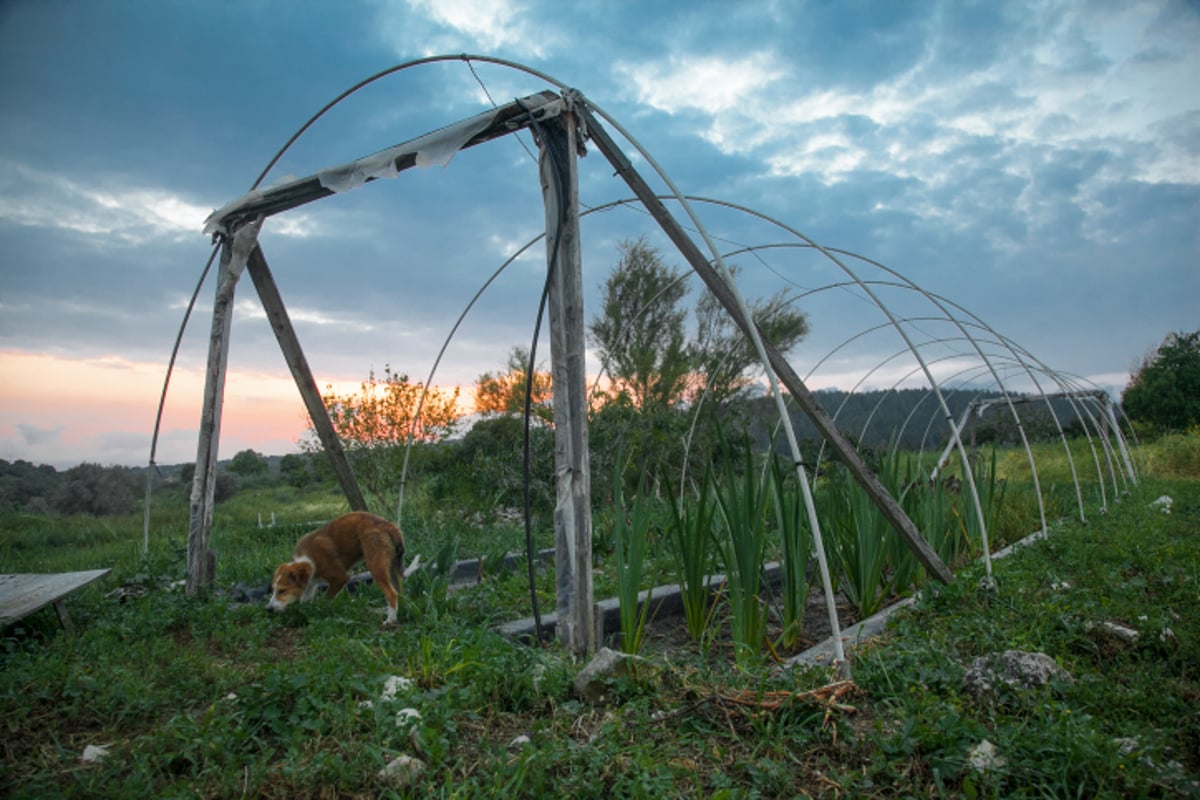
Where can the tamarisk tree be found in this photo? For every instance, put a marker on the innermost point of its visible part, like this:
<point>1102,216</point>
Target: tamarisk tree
<point>375,423</point>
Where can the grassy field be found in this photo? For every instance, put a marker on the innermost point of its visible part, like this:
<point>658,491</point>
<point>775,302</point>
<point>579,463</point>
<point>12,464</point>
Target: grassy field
<point>207,697</point>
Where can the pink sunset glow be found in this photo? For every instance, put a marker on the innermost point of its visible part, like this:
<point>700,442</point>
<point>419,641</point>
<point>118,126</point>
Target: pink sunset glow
<point>64,411</point>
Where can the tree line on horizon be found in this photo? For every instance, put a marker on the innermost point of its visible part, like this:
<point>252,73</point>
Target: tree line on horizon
<point>680,382</point>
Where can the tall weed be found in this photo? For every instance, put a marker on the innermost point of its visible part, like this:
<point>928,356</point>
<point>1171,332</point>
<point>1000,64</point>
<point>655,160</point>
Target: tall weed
<point>1177,455</point>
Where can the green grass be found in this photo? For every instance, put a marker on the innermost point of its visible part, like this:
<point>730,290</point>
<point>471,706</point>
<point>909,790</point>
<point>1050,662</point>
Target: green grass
<point>205,698</point>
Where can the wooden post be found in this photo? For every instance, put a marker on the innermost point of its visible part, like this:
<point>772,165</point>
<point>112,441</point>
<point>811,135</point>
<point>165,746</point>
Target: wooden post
<point>788,376</point>
<point>268,293</point>
<point>200,561</point>
<point>572,510</point>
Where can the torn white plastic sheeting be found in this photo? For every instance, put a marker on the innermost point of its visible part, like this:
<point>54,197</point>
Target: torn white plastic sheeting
<point>432,149</point>
<point>216,220</point>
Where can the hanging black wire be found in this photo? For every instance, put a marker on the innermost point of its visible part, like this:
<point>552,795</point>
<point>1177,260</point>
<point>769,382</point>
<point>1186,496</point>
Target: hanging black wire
<point>560,198</point>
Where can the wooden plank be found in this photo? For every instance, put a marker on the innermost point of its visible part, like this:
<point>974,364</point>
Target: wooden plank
<point>24,593</point>
<point>879,495</point>
<point>285,334</point>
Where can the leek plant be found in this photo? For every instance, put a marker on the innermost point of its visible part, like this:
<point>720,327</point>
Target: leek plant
<point>861,543</point>
<point>742,503</point>
<point>934,511</point>
<point>897,476</point>
<point>991,498</point>
<point>629,540</point>
<point>791,518</point>
<point>691,532</point>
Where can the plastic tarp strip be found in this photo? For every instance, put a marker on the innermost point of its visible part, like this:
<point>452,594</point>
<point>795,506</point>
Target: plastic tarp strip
<point>432,149</point>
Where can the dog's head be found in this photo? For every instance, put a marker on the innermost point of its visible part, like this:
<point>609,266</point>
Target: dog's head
<point>288,584</point>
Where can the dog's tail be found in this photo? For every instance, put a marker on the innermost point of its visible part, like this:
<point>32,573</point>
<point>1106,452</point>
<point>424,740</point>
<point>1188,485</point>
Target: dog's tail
<point>397,568</point>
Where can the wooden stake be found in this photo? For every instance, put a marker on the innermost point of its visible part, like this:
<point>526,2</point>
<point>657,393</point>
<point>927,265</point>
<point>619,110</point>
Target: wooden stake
<point>200,561</point>
<point>268,293</point>
<point>572,511</point>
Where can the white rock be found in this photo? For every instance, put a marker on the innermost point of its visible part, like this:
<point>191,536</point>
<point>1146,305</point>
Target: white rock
<point>401,772</point>
<point>982,757</point>
<point>1118,632</point>
<point>592,681</point>
<point>1015,668</point>
<point>94,753</point>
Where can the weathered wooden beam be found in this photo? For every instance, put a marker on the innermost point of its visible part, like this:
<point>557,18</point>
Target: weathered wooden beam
<point>788,376</point>
<point>285,334</point>
<point>576,627</point>
<point>200,561</point>
<point>437,145</point>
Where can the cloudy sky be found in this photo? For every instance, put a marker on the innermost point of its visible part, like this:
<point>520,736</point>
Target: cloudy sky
<point>1033,165</point>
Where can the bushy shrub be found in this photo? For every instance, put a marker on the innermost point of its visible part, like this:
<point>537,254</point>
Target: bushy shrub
<point>485,470</point>
<point>96,490</point>
<point>1177,455</point>
<point>24,486</point>
<point>225,488</point>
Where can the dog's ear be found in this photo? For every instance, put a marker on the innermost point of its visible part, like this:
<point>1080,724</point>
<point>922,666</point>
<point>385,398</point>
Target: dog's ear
<point>301,573</point>
<point>297,575</point>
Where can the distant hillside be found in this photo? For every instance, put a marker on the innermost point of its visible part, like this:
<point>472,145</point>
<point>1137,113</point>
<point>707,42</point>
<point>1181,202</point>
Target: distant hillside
<point>915,419</point>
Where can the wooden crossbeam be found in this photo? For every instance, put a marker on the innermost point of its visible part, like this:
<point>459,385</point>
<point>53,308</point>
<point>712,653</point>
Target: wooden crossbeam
<point>489,125</point>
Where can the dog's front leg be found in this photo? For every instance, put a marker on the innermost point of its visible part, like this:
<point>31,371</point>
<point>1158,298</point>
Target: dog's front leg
<point>310,591</point>
<point>336,584</point>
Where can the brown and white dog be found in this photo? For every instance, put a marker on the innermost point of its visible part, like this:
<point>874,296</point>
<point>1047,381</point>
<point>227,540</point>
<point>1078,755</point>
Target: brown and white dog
<point>330,551</point>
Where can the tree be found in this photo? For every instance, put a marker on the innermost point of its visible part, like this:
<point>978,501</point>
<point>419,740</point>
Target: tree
<point>375,423</point>
<point>1164,391</point>
<point>724,357</point>
<point>25,487</point>
<point>296,470</point>
<point>504,392</point>
<point>657,371</point>
<point>639,331</point>
<point>249,464</point>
